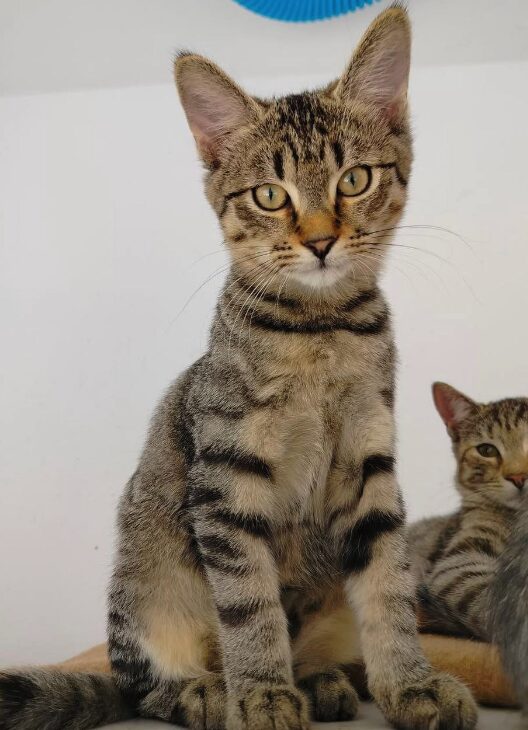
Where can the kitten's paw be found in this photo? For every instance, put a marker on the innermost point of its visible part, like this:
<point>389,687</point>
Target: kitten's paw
<point>331,695</point>
<point>269,707</point>
<point>202,703</point>
<point>439,702</point>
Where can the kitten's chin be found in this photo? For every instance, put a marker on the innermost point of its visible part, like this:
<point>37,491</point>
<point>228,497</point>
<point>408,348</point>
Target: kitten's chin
<point>318,277</point>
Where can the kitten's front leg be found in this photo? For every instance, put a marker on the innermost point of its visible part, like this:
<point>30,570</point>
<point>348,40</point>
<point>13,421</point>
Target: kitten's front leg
<point>380,587</point>
<point>232,530</point>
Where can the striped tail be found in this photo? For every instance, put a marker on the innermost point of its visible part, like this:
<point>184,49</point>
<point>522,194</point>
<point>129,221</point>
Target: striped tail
<point>42,699</point>
<point>508,608</point>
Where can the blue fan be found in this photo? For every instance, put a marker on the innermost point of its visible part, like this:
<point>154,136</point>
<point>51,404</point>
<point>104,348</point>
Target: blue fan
<point>298,11</point>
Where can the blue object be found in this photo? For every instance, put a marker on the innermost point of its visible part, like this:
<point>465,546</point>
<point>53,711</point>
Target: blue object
<point>298,11</point>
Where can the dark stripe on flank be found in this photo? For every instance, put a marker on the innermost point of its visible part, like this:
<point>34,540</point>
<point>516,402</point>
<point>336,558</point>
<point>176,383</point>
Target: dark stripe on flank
<point>338,153</point>
<point>278,164</point>
<point>237,460</point>
<point>117,620</point>
<point>238,615</point>
<point>359,541</point>
<point>465,603</point>
<point>201,496</point>
<point>459,579</point>
<point>255,525</point>
<point>478,544</point>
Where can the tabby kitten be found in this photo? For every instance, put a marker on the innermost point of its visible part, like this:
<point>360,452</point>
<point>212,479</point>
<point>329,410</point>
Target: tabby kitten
<point>264,519</point>
<point>456,557</point>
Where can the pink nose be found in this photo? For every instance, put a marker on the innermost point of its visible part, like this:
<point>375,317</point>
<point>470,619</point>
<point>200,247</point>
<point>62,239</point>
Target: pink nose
<point>518,479</point>
<point>320,247</point>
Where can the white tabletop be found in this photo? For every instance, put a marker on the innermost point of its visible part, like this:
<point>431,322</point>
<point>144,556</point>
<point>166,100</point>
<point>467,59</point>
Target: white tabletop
<point>369,719</point>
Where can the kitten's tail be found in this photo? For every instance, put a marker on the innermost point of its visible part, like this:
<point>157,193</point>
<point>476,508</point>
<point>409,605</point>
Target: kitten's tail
<point>49,699</point>
<point>508,607</point>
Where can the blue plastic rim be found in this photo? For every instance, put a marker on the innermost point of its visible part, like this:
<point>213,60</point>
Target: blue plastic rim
<point>301,11</point>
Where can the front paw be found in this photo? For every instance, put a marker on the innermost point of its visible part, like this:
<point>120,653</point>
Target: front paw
<point>439,702</point>
<point>331,695</point>
<point>268,707</point>
<point>202,703</point>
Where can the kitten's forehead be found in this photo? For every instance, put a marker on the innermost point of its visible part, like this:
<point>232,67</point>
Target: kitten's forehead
<point>506,420</point>
<point>308,124</point>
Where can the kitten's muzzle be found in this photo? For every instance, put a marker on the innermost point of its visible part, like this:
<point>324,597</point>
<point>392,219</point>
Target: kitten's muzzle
<point>320,247</point>
<point>518,480</point>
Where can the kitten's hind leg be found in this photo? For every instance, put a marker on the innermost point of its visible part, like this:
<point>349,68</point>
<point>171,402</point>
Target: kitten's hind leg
<point>162,625</point>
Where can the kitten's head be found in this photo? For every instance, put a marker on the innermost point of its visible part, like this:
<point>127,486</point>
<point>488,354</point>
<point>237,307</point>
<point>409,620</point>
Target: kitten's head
<point>300,182</point>
<point>490,442</point>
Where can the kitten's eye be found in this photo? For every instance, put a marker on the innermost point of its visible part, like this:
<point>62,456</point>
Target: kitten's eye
<point>355,181</point>
<point>488,451</point>
<point>270,196</point>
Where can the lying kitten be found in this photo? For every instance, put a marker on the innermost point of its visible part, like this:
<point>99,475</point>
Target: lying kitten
<point>264,517</point>
<point>455,557</point>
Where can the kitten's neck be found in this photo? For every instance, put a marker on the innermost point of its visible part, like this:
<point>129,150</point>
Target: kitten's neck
<point>480,502</point>
<point>293,294</point>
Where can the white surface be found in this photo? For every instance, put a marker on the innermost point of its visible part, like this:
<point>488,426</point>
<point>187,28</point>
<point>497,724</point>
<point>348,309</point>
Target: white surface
<point>103,227</point>
<point>54,45</point>
<point>369,719</point>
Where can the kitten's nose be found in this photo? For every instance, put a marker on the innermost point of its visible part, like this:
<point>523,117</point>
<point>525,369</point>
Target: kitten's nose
<point>320,247</point>
<point>518,479</point>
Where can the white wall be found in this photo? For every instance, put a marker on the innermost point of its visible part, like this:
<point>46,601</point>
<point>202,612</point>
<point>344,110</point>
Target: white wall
<point>104,235</point>
<point>59,45</point>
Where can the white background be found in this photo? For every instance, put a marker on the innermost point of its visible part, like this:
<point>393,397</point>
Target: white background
<point>105,234</point>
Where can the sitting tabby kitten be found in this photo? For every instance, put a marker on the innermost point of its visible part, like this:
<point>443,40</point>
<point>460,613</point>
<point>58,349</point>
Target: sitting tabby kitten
<point>264,517</point>
<point>456,557</point>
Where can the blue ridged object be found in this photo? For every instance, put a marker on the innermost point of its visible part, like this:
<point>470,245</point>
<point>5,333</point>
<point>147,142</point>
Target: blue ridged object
<point>300,11</point>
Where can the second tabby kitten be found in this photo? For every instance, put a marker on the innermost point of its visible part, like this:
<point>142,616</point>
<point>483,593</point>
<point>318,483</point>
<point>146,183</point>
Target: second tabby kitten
<point>264,521</point>
<point>456,557</point>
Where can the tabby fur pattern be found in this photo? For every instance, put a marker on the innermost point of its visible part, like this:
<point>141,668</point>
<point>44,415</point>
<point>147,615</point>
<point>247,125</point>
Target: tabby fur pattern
<point>456,557</point>
<point>262,534</point>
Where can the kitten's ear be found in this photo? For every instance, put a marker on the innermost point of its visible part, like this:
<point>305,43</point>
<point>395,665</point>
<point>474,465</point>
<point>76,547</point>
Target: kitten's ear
<point>214,105</point>
<point>379,70</point>
<point>454,407</point>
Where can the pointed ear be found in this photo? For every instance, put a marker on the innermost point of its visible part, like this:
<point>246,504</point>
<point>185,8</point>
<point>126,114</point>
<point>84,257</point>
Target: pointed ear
<point>379,71</point>
<point>453,407</point>
<point>214,105</point>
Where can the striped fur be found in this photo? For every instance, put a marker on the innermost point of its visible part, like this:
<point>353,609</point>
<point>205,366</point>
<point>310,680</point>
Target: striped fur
<point>263,528</point>
<point>456,557</point>
<point>508,622</point>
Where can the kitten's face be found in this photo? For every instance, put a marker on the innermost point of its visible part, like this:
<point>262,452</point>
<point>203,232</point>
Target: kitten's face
<point>490,442</point>
<point>312,191</point>
<point>308,188</point>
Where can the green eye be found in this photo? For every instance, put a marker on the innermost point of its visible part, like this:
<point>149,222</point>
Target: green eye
<point>488,451</point>
<point>355,181</point>
<point>270,196</point>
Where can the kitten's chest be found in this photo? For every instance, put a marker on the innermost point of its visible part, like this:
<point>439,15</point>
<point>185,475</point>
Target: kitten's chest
<point>306,431</point>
